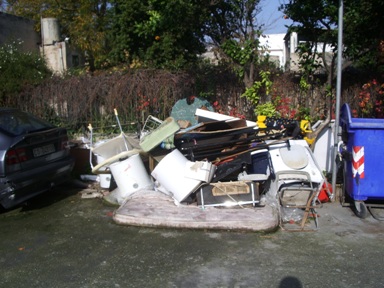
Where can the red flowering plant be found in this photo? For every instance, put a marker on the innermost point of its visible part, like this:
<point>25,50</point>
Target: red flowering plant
<point>283,105</point>
<point>235,113</point>
<point>143,102</point>
<point>370,101</point>
<point>146,106</point>
<point>217,107</point>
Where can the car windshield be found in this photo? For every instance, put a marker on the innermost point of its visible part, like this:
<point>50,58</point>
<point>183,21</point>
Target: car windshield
<point>16,122</point>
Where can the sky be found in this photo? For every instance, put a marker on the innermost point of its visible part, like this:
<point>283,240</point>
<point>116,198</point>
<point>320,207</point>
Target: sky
<point>272,18</point>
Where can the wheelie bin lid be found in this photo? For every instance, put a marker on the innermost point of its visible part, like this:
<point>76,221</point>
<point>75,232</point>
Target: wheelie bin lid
<point>350,124</point>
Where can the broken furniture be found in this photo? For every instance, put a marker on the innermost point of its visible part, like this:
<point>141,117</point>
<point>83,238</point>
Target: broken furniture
<point>170,174</point>
<point>154,138</point>
<point>237,193</point>
<point>236,152</point>
<point>150,124</point>
<point>297,200</point>
<point>294,158</point>
<point>295,155</point>
<point>223,163</point>
<point>260,169</point>
<point>204,115</point>
<point>215,139</point>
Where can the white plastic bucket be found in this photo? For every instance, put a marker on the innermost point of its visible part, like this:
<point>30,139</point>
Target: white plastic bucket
<point>105,181</point>
<point>170,173</point>
<point>130,175</point>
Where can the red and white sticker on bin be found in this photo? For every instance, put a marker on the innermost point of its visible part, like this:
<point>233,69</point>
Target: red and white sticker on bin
<point>358,161</point>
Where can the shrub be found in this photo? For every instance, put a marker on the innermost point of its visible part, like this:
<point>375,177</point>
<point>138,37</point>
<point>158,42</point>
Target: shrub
<point>370,101</point>
<point>18,69</point>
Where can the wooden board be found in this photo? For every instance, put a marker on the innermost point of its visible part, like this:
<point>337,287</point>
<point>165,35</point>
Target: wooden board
<point>154,209</point>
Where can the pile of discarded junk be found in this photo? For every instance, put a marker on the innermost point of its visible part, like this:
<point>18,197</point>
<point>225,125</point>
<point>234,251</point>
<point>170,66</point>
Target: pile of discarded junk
<point>221,161</point>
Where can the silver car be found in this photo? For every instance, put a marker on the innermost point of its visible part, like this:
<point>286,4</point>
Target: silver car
<point>34,156</point>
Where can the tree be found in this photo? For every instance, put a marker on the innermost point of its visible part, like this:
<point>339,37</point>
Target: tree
<point>363,33</point>
<point>155,33</point>
<point>158,33</point>
<point>363,36</point>
<point>125,42</point>
<point>314,21</point>
<point>317,21</point>
<point>84,21</point>
<point>234,30</point>
<point>235,33</point>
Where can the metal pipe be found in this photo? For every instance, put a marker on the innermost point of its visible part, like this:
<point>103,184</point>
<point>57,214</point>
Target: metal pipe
<point>121,129</point>
<point>340,49</point>
<point>91,144</point>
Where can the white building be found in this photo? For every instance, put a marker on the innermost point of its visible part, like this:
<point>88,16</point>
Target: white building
<point>283,49</point>
<point>292,41</point>
<point>275,47</point>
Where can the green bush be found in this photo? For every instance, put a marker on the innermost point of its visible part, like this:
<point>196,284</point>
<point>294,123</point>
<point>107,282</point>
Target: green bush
<point>18,68</point>
<point>266,109</point>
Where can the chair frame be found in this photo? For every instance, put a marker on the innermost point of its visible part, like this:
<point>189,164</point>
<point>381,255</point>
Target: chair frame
<point>299,181</point>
